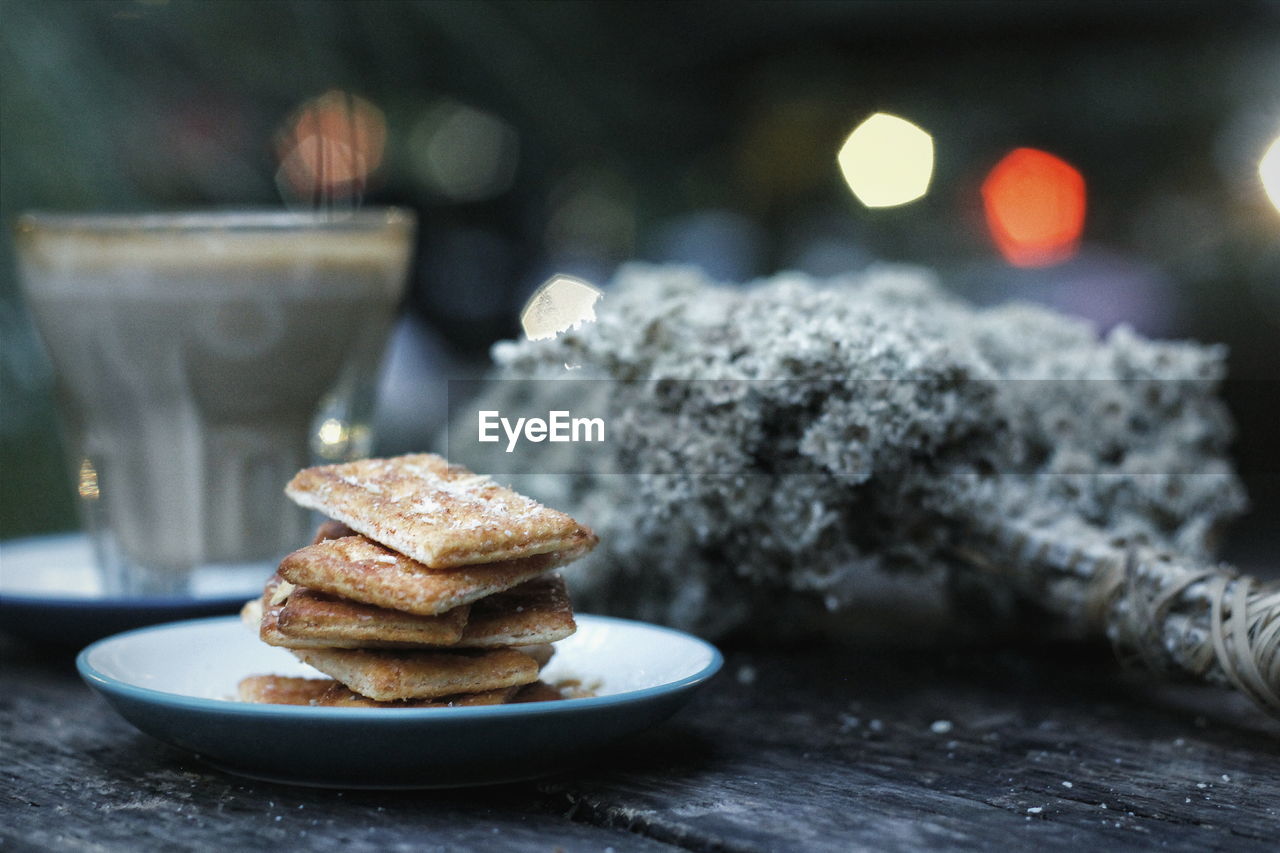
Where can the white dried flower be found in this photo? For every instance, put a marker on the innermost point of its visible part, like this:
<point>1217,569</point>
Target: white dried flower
<point>894,413</point>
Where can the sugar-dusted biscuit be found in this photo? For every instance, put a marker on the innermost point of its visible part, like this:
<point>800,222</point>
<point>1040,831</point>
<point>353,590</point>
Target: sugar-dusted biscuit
<point>439,514</point>
<point>330,529</point>
<point>309,614</point>
<point>537,611</point>
<point>360,569</point>
<point>538,691</point>
<point>251,613</point>
<point>270,610</point>
<point>540,652</point>
<point>327,693</point>
<point>573,688</point>
<point>340,696</point>
<point>282,690</point>
<point>389,675</point>
<point>265,620</point>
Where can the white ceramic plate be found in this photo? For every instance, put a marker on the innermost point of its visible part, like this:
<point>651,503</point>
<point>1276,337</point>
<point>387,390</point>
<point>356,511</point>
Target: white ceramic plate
<point>51,592</point>
<point>176,683</point>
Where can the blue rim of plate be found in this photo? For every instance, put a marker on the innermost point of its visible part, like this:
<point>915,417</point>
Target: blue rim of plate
<point>230,706</point>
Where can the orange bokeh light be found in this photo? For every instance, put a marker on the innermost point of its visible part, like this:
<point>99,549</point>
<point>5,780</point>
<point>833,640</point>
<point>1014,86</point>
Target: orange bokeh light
<point>329,146</point>
<point>1035,204</point>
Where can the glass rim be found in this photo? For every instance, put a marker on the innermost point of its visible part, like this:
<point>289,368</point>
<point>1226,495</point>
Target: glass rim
<point>264,219</point>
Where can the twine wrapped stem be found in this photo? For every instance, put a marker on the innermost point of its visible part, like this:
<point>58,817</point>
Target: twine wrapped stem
<point>1159,610</point>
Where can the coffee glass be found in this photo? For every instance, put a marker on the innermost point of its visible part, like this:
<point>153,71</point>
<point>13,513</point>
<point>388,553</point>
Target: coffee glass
<point>201,359</point>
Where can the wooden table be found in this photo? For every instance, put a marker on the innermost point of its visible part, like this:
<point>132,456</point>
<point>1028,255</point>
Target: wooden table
<point>1055,748</point>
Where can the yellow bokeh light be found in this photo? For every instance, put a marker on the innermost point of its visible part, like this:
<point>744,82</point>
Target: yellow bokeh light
<point>88,481</point>
<point>887,161</point>
<point>1269,171</point>
<point>332,431</point>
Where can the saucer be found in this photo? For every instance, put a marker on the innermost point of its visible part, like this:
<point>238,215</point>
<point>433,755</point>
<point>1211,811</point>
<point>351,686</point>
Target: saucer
<point>177,683</point>
<point>51,592</point>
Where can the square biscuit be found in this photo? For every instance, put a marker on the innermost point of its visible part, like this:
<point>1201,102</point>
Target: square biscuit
<point>536,611</point>
<point>390,675</point>
<point>341,696</point>
<point>267,611</point>
<point>327,693</point>
<point>330,529</point>
<point>540,652</point>
<point>439,514</point>
<point>265,615</point>
<point>282,690</point>
<point>538,691</point>
<point>251,613</point>
<point>309,614</point>
<point>360,569</point>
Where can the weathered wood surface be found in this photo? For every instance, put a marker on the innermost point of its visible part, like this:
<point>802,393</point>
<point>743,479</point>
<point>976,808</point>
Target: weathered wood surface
<point>873,751</point>
<point>788,750</point>
<point>74,776</point>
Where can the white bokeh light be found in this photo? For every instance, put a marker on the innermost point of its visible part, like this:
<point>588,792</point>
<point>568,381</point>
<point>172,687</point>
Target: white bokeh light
<point>462,153</point>
<point>559,304</point>
<point>1269,171</point>
<point>887,161</point>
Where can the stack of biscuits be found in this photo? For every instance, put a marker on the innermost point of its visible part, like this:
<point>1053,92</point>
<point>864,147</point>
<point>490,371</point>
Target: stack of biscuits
<point>428,586</point>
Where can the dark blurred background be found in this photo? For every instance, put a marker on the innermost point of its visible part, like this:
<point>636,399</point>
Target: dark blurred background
<point>541,137</point>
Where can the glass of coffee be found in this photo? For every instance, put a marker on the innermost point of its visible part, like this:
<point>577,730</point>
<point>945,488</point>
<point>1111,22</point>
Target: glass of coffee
<point>201,360</point>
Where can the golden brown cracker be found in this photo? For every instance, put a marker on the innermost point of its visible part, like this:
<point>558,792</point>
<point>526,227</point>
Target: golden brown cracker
<point>327,693</point>
<point>274,604</point>
<point>538,691</point>
<point>340,696</point>
<point>274,597</point>
<point>251,613</point>
<point>360,569</point>
<point>540,652</point>
<point>536,611</point>
<point>282,690</point>
<point>439,514</point>
<point>390,675</point>
<point>313,615</point>
<point>330,529</point>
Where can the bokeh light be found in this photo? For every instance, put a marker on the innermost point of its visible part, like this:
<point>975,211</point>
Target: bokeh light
<point>87,485</point>
<point>462,153</point>
<point>1035,207</point>
<point>559,304</point>
<point>887,161</point>
<point>1269,171</point>
<point>328,148</point>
